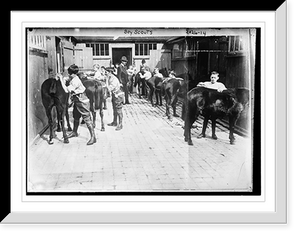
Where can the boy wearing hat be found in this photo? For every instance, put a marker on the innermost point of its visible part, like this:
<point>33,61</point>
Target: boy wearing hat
<point>114,86</point>
<point>81,102</point>
<point>123,77</point>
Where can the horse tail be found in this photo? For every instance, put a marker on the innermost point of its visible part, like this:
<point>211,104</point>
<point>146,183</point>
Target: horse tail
<point>52,88</point>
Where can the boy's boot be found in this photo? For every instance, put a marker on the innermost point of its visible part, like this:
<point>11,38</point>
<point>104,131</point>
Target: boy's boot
<point>75,128</point>
<point>120,125</point>
<point>92,132</point>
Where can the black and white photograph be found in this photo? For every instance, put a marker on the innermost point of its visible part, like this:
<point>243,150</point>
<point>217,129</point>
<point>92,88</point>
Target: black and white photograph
<point>147,110</point>
<point>150,117</point>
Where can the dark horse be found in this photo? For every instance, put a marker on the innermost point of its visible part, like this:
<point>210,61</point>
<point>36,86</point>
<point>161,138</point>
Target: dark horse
<point>141,83</point>
<point>96,94</point>
<point>54,95</point>
<point>213,105</point>
<point>154,85</point>
<point>172,88</point>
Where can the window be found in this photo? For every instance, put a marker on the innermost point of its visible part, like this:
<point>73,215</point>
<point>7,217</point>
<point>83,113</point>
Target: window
<point>177,51</point>
<point>99,49</point>
<point>191,48</point>
<point>37,41</point>
<point>236,44</point>
<point>144,49</point>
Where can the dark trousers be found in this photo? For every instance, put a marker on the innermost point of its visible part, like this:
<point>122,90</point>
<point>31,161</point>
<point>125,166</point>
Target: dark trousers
<point>125,89</point>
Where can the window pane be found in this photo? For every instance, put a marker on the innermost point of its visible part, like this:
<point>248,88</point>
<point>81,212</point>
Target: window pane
<point>97,50</point>
<point>136,49</point>
<point>141,49</point>
<point>154,46</point>
<point>231,43</point>
<point>241,43</point>
<point>146,49</point>
<point>150,46</point>
<point>102,49</point>
<point>106,50</point>
<point>94,49</point>
<point>237,43</point>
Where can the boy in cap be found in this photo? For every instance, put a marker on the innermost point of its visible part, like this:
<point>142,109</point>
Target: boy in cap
<point>114,86</point>
<point>81,102</point>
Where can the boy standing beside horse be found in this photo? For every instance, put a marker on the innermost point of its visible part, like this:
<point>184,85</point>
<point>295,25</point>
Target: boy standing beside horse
<point>81,102</point>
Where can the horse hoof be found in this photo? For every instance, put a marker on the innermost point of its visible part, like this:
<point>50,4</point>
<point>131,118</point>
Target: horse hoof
<point>66,141</point>
<point>70,129</point>
<point>102,129</point>
<point>214,137</point>
<point>232,142</point>
<point>176,115</point>
<point>58,130</point>
<point>190,143</point>
<point>50,142</point>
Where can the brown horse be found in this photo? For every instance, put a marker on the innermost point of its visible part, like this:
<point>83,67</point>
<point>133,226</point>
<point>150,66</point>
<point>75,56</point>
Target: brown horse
<point>213,105</point>
<point>172,88</point>
<point>96,94</point>
<point>53,95</point>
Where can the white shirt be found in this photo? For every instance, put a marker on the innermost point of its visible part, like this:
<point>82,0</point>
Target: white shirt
<point>217,85</point>
<point>113,83</point>
<point>76,86</point>
<point>147,75</point>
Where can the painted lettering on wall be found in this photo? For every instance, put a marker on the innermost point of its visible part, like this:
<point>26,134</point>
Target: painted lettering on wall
<point>138,32</point>
<point>195,32</point>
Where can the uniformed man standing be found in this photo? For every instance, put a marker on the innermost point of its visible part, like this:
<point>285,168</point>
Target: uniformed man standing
<point>123,77</point>
<point>114,87</point>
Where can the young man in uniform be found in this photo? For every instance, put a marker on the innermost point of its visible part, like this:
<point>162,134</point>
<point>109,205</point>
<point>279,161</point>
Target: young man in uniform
<point>123,77</point>
<point>113,86</point>
<point>81,102</point>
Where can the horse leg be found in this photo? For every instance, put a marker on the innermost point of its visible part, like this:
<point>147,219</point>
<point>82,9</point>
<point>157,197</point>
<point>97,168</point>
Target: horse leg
<point>50,123</point>
<point>213,128</point>
<point>92,109</point>
<point>231,129</point>
<point>174,102</point>
<point>140,88</point>
<point>204,126</point>
<point>151,96</point>
<point>94,118</point>
<point>190,117</point>
<point>168,108</point>
<point>58,123</point>
<point>60,116</point>
<point>101,118</point>
<point>160,97</point>
<point>68,119</point>
<point>156,96</point>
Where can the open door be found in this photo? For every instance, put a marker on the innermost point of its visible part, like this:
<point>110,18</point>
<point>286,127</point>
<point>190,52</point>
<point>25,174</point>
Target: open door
<point>117,54</point>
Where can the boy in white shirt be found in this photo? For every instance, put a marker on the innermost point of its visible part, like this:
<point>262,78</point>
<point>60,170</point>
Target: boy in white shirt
<point>81,102</point>
<point>213,83</point>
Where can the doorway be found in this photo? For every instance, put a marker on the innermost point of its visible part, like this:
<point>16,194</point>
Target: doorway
<point>117,54</point>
